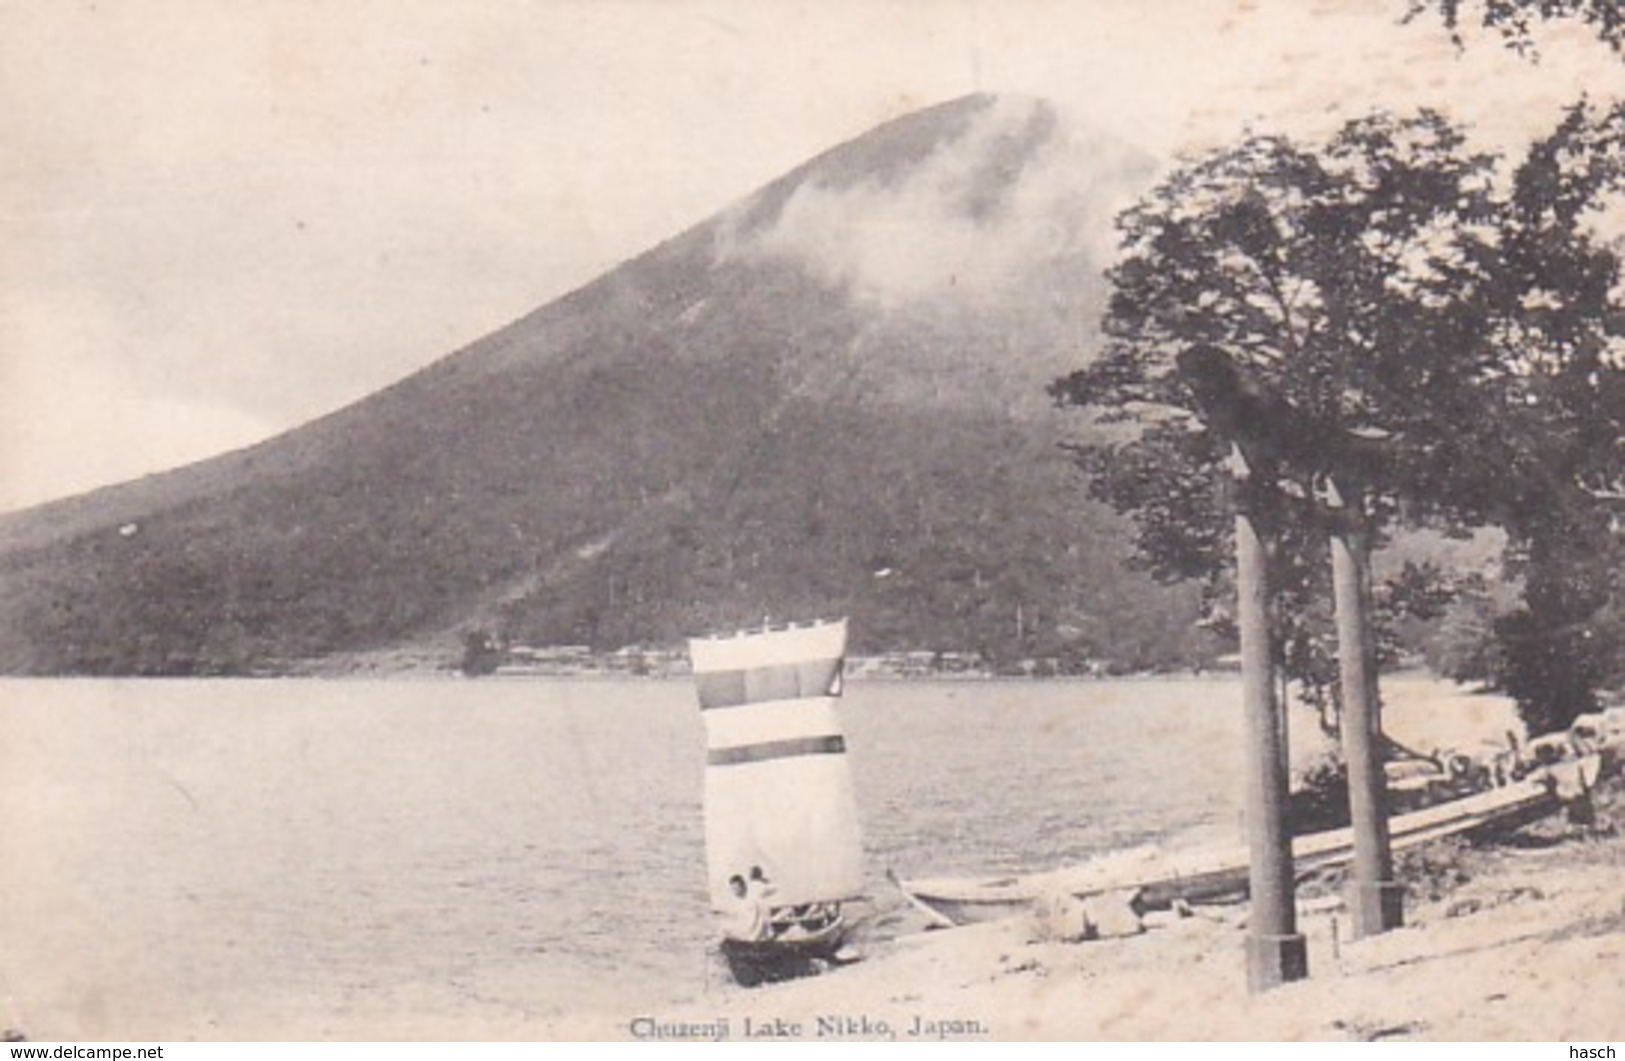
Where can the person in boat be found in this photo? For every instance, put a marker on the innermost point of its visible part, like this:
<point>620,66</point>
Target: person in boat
<point>746,920</point>
<point>751,919</point>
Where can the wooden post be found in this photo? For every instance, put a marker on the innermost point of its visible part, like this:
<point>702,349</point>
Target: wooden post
<point>1235,410</point>
<point>1375,900</point>
<point>1276,952</point>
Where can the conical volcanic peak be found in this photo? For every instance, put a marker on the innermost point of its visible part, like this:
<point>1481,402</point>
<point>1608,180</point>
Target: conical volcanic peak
<point>827,399</point>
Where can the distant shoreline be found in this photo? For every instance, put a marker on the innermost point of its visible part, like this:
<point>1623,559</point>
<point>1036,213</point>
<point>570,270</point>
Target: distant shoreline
<point>442,673</point>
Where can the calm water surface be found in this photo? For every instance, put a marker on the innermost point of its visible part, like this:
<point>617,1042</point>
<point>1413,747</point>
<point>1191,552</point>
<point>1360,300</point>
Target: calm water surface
<point>300,857</point>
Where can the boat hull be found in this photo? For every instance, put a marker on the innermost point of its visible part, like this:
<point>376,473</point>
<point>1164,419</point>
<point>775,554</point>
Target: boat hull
<point>1161,880</point>
<point>794,951</point>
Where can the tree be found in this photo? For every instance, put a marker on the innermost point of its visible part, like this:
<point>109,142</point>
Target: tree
<point>1565,640</point>
<point>482,653</point>
<point>1409,302</point>
<point>1322,272</point>
<point>1557,321</point>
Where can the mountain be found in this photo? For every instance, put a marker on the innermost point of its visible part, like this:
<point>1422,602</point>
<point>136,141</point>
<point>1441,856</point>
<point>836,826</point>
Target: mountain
<point>826,400</point>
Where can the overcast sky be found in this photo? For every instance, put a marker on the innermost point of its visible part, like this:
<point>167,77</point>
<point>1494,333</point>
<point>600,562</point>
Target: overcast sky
<point>221,218</point>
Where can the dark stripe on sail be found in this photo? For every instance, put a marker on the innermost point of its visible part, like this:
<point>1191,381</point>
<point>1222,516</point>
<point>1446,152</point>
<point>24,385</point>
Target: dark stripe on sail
<point>757,685</point>
<point>775,749</point>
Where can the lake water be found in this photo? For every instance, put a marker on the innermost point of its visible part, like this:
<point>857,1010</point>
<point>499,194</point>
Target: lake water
<point>266,859</point>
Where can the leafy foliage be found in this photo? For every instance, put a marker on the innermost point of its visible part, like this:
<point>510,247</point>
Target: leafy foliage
<point>1405,319</point>
<point>1515,19</point>
<point>1320,272</point>
<point>482,653</point>
<point>1464,646</point>
<point>1319,801</point>
<point>1559,327</point>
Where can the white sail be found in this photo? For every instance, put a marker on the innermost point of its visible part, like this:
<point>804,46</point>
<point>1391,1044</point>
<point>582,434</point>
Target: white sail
<point>780,811</point>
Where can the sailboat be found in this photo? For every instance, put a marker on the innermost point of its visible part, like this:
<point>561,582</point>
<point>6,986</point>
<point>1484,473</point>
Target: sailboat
<point>784,853</point>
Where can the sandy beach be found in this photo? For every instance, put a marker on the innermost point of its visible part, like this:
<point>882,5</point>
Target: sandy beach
<point>1521,939</point>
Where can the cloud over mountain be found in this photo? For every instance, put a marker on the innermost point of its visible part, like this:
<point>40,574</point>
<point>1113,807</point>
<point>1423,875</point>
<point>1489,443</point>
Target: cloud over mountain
<point>974,220</point>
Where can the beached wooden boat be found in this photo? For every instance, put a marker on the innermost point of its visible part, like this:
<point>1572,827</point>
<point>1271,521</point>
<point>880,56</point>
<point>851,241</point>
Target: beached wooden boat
<point>783,848</point>
<point>1161,878</point>
<point>796,943</point>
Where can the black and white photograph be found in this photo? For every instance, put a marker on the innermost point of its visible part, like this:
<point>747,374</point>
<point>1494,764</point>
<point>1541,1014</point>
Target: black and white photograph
<point>755,521</point>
